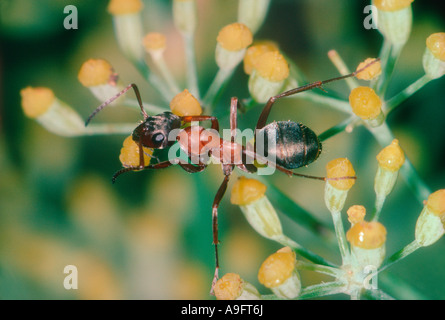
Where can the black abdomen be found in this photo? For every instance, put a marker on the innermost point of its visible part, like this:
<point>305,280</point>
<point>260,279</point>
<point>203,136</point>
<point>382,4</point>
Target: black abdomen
<point>295,144</point>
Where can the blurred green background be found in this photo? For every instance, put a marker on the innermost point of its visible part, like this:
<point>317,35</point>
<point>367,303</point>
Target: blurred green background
<point>149,236</point>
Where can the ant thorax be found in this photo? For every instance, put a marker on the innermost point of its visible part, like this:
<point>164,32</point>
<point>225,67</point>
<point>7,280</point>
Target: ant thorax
<point>200,143</point>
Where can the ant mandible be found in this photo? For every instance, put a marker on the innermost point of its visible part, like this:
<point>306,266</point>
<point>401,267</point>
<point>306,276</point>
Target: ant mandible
<point>293,145</point>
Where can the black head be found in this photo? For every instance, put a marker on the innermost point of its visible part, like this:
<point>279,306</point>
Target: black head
<point>154,131</point>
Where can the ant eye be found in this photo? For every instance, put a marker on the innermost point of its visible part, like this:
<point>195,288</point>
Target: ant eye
<point>158,138</point>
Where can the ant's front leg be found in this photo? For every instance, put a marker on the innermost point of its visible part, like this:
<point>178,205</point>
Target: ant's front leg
<point>159,165</point>
<point>214,120</point>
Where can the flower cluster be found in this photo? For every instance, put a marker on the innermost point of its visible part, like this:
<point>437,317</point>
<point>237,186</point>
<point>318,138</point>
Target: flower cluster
<point>270,72</point>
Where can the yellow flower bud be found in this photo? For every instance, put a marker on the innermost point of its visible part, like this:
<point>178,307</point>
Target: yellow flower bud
<point>367,235</point>
<point>272,66</point>
<point>36,101</point>
<point>228,287</point>
<point>249,194</point>
<point>392,5</point>
<point>246,191</point>
<point>57,117</point>
<point>279,274</point>
<point>430,225</point>
<point>336,191</point>
<point>367,241</point>
<point>235,37</point>
<point>277,268</point>
<point>254,52</point>
<point>94,72</point>
<point>434,56</point>
<point>391,157</point>
<point>120,7</point>
<point>436,203</point>
<point>232,287</point>
<point>394,20</point>
<point>129,156</point>
<point>185,104</point>
<point>128,27</point>
<point>268,76</point>
<point>337,168</point>
<point>371,72</point>
<point>365,103</point>
<point>436,44</point>
<point>154,41</point>
<point>356,214</point>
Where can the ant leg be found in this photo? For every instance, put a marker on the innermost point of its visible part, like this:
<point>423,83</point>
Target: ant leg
<point>160,165</point>
<point>214,120</point>
<point>192,168</point>
<point>234,104</point>
<point>218,197</point>
<point>317,84</point>
<point>291,173</point>
<point>109,101</point>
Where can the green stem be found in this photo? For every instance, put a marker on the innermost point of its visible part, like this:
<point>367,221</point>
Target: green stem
<point>295,212</point>
<point>222,76</point>
<point>333,103</point>
<point>334,272</point>
<point>389,56</point>
<point>395,101</point>
<point>341,236</point>
<point>305,253</point>
<point>322,289</point>
<point>399,255</point>
<point>149,108</point>
<point>167,75</point>
<point>154,80</point>
<point>378,205</point>
<point>192,72</point>
<point>109,128</point>
<point>341,127</point>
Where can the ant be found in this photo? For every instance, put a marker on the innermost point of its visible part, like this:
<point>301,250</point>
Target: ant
<point>293,145</point>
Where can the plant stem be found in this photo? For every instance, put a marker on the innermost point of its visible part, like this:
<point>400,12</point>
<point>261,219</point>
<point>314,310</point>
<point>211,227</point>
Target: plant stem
<point>342,68</point>
<point>341,127</point>
<point>341,236</point>
<point>334,272</point>
<point>378,205</point>
<point>322,289</point>
<point>154,80</point>
<point>149,108</point>
<point>399,255</point>
<point>109,128</point>
<point>167,75</point>
<point>395,101</point>
<point>192,72</point>
<point>333,103</point>
<point>392,54</point>
<point>222,76</point>
<point>298,214</point>
<point>285,241</point>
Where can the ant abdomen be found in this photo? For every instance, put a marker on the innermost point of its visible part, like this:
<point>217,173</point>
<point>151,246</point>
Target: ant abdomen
<point>292,144</point>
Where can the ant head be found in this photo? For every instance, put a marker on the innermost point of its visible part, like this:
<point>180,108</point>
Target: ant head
<point>154,131</point>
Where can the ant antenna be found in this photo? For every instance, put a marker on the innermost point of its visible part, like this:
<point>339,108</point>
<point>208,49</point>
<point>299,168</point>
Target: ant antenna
<point>109,101</point>
<point>352,74</point>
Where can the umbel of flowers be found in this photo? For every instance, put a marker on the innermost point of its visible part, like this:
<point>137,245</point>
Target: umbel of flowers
<point>269,72</point>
